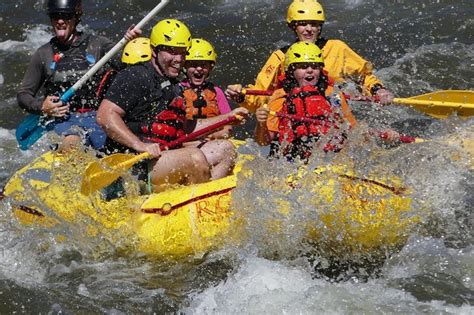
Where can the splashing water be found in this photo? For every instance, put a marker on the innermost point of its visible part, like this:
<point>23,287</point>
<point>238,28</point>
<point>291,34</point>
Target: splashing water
<point>415,46</point>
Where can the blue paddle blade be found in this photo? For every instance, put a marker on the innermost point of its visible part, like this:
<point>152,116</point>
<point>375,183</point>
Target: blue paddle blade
<point>29,131</point>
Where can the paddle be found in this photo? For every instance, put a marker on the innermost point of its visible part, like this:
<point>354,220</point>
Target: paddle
<point>30,129</point>
<point>96,177</point>
<point>34,126</point>
<point>403,138</point>
<point>439,104</point>
<point>257,92</point>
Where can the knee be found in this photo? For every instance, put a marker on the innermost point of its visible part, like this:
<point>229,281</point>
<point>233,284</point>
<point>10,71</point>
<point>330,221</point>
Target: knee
<point>199,160</point>
<point>227,145</point>
<point>69,143</point>
<point>226,149</point>
<point>72,139</point>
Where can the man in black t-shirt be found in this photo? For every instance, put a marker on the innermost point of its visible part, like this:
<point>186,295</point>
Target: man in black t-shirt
<point>144,108</point>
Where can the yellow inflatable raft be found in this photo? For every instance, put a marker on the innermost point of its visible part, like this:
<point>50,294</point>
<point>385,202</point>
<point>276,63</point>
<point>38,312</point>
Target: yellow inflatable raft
<point>195,219</point>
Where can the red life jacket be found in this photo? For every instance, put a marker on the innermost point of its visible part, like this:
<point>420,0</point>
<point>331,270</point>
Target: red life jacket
<point>168,124</point>
<point>304,103</point>
<point>201,104</point>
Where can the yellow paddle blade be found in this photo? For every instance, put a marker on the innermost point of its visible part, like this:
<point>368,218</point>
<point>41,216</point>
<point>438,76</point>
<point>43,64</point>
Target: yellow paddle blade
<point>420,140</point>
<point>100,174</point>
<point>442,104</point>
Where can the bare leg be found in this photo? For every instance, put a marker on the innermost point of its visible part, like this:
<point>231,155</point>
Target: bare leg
<point>180,166</point>
<point>70,143</point>
<point>221,155</point>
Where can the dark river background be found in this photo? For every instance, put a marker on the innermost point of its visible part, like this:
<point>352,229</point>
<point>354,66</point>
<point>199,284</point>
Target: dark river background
<point>415,46</point>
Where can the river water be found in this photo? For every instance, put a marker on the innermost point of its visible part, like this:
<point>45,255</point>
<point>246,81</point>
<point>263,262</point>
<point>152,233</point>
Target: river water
<point>416,47</point>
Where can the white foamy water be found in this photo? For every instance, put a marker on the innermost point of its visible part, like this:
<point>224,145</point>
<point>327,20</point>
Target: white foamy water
<point>261,286</point>
<point>6,134</point>
<point>17,261</point>
<point>35,37</point>
<point>12,157</point>
<point>419,47</point>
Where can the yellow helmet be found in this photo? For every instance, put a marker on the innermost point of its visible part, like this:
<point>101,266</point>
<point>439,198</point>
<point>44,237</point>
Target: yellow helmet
<point>301,52</point>
<point>137,50</point>
<point>305,10</point>
<point>201,49</point>
<point>170,32</point>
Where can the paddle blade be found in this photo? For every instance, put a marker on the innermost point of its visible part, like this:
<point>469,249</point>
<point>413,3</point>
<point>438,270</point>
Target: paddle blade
<point>100,174</point>
<point>29,131</point>
<point>442,104</point>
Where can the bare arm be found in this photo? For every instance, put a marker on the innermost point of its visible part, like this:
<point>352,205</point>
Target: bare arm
<point>109,117</point>
<point>224,133</point>
<point>241,112</point>
<point>262,135</point>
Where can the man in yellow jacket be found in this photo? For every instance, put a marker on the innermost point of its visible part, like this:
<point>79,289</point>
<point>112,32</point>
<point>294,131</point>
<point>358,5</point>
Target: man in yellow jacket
<point>306,18</point>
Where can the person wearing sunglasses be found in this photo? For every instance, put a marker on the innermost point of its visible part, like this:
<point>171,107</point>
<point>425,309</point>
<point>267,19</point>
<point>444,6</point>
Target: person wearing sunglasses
<point>60,63</point>
<point>306,18</point>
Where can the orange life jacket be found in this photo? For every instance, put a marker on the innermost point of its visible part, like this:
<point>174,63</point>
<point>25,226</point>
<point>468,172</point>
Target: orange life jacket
<point>201,104</point>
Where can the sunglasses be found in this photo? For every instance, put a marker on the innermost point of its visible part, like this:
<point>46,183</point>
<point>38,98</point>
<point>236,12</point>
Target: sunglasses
<point>312,23</point>
<point>171,50</point>
<point>62,16</point>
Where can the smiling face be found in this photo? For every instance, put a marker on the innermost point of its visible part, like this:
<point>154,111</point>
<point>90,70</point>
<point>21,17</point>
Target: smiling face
<point>169,60</point>
<point>198,71</point>
<point>307,73</point>
<point>308,31</point>
<point>64,26</point>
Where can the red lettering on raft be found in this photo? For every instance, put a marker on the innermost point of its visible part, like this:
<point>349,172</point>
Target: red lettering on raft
<point>225,193</point>
<point>212,210</point>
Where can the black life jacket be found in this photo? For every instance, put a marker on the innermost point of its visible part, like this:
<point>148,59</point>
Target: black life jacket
<point>68,67</point>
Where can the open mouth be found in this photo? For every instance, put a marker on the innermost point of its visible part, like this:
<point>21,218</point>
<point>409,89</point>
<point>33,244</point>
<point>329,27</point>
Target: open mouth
<point>62,31</point>
<point>198,76</point>
<point>60,27</point>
